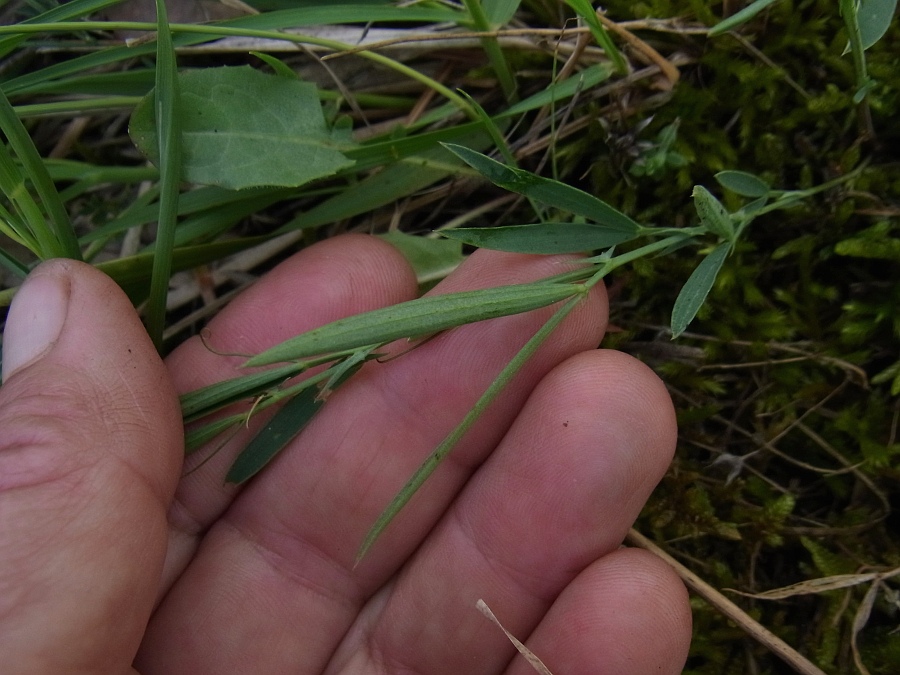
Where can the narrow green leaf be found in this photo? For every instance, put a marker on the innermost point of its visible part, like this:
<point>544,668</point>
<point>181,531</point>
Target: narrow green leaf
<point>558,91</point>
<point>69,10</point>
<point>213,397</point>
<point>242,128</point>
<point>382,187</point>
<point>543,238</point>
<point>491,46</point>
<point>272,438</point>
<point>741,17</point>
<point>713,215</point>
<point>292,418</point>
<point>55,229</point>
<point>12,264</point>
<point>546,190</point>
<point>423,316</point>
<point>280,67</point>
<point>743,183</point>
<point>586,11</point>
<point>168,135</point>
<point>693,295</point>
<point>197,438</point>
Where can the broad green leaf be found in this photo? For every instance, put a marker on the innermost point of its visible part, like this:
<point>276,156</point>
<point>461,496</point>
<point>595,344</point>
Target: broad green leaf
<point>698,285</point>
<point>432,259</point>
<point>741,17</point>
<point>546,190</point>
<point>544,238</point>
<point>423,316</point>
<point>243,128</point>
<point>874,17</point>
<point>743,183</point>
<point>272,438</point>
<point>713,215</point>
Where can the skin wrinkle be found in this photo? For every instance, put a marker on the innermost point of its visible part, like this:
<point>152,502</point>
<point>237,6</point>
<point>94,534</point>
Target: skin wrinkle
<point>289,568</point>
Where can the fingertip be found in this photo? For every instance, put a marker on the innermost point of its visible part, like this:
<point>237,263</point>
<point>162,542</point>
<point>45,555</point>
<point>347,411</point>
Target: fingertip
<point>626,613</point>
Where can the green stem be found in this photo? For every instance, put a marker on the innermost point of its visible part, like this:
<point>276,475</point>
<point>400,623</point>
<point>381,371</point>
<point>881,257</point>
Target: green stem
<point>492,49</point>
<point>441,451</point>
<point>851,21</point>
<point>227,31</point>
<point>76,107</point>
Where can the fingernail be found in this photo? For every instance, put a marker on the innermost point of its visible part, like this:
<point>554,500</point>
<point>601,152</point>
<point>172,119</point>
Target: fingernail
<point>35,320</point>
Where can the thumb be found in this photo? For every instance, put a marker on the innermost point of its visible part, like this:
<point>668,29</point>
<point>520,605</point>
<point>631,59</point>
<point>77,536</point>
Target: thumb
<point>90,452</point>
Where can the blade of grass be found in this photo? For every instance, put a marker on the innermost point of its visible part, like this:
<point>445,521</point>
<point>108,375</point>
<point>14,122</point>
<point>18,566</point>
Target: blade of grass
<point>167,133</point>
<point>11,263</point>
<point>492,48</point>
<point>60,237</point>
<point>68,11</point>
<point>740,17</point>
<point>29,229</point>
<point>585,10</point>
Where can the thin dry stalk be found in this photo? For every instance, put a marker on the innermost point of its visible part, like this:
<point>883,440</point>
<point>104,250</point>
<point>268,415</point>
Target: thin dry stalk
<point>730,610</point>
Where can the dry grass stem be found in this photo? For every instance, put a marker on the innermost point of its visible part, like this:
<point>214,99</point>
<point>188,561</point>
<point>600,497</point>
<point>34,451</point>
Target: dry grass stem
<point>750,626</point>
<point>535,662</point>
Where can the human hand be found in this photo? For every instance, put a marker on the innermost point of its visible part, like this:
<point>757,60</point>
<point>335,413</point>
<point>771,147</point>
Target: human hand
<point>107,551</point>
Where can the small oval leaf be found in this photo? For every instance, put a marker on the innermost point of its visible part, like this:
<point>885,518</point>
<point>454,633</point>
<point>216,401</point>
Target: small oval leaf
<point>743,183</point>
<point>541,238</point>
<point>874,17</point>
<point>694,293</point>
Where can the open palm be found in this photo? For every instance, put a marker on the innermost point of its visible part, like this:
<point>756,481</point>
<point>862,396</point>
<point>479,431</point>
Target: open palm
<point>99,562</point>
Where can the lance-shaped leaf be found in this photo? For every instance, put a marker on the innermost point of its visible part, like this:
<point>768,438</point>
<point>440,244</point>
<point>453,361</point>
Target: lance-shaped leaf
<point>697,288</point>
<point>272,439</point>
<point>542,238</point>
<point>422,316</point>
<point>741,17</point>
<point>545,190</point>
<point>291,420</point>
